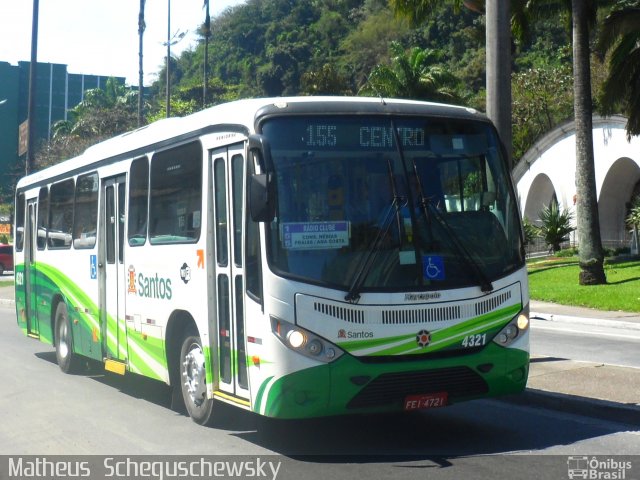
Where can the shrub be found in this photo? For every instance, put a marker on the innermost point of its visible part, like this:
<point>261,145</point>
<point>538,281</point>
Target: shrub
<point>556,226</point>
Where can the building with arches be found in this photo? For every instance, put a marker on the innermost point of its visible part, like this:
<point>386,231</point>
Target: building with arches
<point>546,173</point>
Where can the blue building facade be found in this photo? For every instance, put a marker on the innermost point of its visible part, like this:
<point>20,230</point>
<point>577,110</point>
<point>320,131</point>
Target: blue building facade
<point>57,91</point>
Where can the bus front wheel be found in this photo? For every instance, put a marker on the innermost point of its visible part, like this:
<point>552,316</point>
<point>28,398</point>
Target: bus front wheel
<point>67,360</point>
<point>193,379</point>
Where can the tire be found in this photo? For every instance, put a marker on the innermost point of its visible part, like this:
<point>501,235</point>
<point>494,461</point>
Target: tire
<point>67,360</point>
<point>193,374</point>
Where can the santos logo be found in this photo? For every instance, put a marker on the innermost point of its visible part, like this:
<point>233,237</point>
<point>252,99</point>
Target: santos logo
<point>154,287</point>
<point>362,334</point>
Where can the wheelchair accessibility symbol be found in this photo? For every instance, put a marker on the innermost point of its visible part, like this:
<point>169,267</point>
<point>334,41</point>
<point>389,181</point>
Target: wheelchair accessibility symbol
<point>433,267</point>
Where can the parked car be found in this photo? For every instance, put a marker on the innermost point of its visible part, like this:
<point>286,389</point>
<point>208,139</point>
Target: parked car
<point>6,258</point>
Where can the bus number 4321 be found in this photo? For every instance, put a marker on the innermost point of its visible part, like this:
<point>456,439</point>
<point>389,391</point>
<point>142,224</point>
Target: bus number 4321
<point>477,340</point>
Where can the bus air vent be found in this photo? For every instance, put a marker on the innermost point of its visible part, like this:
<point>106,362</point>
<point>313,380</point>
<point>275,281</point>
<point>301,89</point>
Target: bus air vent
<point>343,313</point>
<point>486,306</point>
<point>421,315</point>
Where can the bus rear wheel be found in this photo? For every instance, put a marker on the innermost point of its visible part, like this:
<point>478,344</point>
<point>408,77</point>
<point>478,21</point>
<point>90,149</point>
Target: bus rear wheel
<point>193,379</point>
<point>67,360</point>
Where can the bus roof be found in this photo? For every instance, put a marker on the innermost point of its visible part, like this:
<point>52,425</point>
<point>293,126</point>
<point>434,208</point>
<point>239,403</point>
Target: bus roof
<point>240,115</point>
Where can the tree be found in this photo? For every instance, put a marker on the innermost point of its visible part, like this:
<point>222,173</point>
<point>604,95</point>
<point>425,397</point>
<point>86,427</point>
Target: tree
<point>101,115</point>
<point>368,44</point>
<point>498,42</point>
<point>620,36</point>
<point>326,81</point>
<point>542,98</point>
<point>583,18</point>
<point>556,225</point>
<point>591,256</point>
<point>413,74</point>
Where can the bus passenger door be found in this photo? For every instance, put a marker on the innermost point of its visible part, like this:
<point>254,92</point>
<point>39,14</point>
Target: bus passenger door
<point>228,197</point>
<point>30,269</point>
<point>111,269</point>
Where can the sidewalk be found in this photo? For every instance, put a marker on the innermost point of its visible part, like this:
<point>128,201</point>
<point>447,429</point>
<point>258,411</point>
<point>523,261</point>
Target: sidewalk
<point>587,388</point>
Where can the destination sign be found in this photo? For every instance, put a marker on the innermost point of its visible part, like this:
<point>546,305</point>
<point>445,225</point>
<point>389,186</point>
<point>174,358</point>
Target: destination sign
<point>367,136</point>
<point>318,133</point>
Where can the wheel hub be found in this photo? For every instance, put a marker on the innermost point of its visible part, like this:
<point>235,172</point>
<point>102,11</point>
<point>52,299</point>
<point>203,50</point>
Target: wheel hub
<point>194,375</point>
<point>63,343</point>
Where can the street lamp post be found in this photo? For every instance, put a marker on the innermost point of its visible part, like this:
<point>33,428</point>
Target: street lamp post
<point>31,109</point>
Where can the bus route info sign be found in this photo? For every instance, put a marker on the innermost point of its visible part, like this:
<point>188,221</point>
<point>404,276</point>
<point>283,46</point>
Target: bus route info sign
<point>315,235</point>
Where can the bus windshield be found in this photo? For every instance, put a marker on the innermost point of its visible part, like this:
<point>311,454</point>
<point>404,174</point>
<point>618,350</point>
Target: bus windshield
<point>387,203</point>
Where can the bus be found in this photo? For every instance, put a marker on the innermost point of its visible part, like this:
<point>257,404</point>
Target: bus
<point>295,257</point>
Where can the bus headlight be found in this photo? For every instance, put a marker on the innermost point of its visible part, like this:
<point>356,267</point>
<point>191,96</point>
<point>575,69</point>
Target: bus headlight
<point>295,338</point>
<point>304,342</point>
<point>514,329</point>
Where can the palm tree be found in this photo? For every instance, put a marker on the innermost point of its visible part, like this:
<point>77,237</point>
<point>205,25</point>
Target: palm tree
<point>633,219</point>
<point>583,15</point>
<point>412,74</point>
<point>591,255</point>
<point>620,35</point>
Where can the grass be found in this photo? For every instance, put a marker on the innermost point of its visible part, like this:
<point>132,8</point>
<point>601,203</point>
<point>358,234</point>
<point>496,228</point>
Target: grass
<point>556,280</point>
<point>6,283</point>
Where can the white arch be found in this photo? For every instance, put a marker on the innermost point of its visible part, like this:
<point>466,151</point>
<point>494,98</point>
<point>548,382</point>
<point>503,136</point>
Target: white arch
<point>550,163</point>
<point>541,193</point>
<point>615,194</point>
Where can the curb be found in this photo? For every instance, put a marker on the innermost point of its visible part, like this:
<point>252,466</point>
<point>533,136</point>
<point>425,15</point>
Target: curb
<point>590,407</point>
<point>611,322</point>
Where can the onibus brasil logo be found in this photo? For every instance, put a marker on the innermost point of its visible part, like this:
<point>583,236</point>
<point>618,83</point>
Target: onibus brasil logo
<point>597,468</point>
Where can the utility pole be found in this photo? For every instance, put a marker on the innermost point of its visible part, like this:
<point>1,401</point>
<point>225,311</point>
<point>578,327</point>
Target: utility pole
<point>31,108</point>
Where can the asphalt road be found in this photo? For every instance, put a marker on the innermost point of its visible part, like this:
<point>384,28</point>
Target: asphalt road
<point>45,412</point>
<point>603,342</point>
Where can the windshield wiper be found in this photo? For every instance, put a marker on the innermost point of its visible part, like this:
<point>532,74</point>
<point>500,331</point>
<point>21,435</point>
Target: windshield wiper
<point>353,295</point>
<point>426,207</point>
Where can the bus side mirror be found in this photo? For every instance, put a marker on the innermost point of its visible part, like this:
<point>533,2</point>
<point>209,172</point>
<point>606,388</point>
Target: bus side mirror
<point>262,197</point>
<point>262,190</point>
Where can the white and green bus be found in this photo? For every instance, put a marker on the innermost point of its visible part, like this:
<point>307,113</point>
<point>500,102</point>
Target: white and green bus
<point>296,257</point>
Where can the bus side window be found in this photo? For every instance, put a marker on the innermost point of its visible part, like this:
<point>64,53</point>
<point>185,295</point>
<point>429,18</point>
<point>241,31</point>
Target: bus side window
<point>43,217</point>
<point>138,201</point>
<point>61,214</point>
<point>86,211</point>
<point>19,233</point>
<point>175,208</point>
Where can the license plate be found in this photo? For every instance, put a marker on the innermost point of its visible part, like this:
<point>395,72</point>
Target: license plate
<point>429,400</point>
